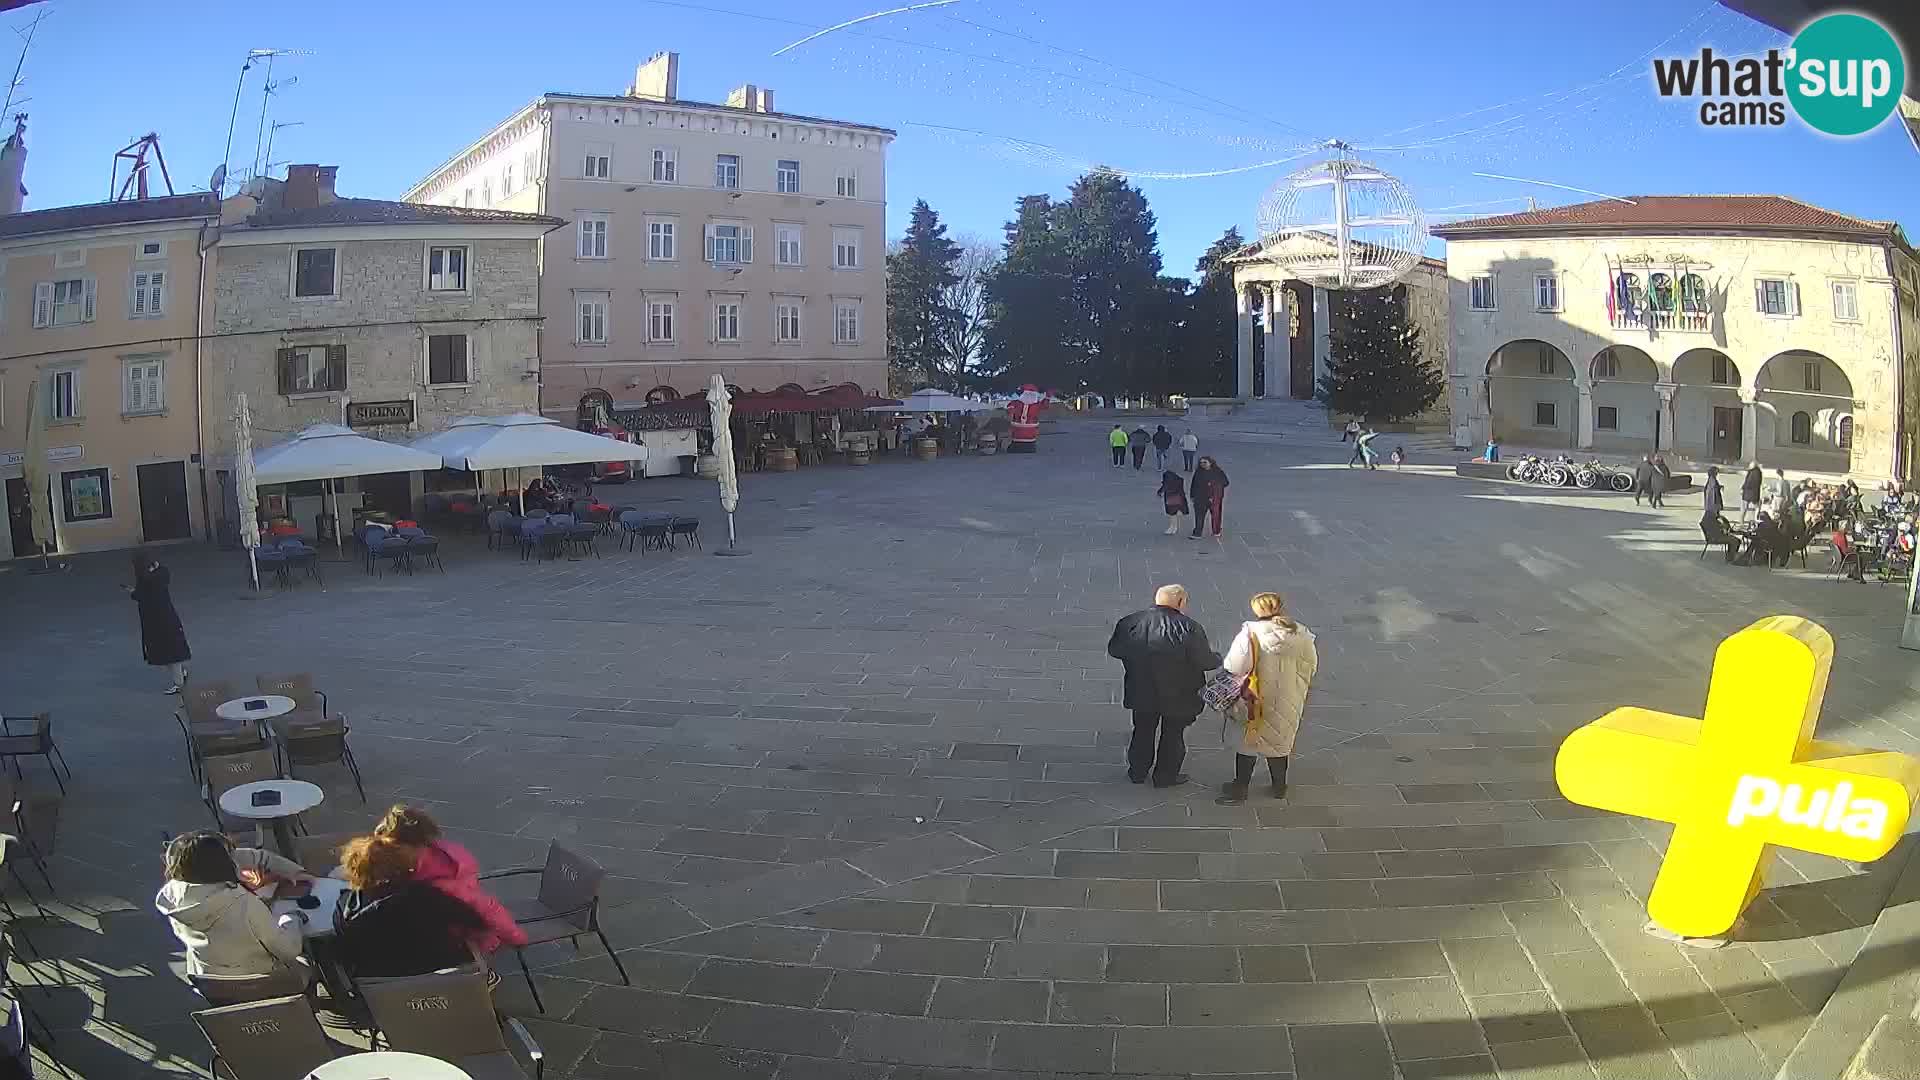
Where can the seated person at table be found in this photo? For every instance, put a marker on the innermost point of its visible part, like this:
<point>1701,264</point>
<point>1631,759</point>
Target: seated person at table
<point>1766,542</point>
<point>391,926</point>
<point>453,870</point>
<point>226,928</point>
<point>540,493</point>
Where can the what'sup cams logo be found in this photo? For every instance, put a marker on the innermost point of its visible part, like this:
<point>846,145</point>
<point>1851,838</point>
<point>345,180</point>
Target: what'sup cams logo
<point>1842,75</point>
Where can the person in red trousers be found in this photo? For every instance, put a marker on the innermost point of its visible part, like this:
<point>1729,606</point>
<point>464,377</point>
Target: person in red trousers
<point>1209,492</point>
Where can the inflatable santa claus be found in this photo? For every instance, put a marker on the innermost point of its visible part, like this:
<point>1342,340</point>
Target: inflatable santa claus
<point>1024,413</point>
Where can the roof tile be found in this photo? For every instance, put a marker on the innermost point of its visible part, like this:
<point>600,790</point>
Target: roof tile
<point>389,212</point>
<point>100,215</point>
<point>1760,212</point>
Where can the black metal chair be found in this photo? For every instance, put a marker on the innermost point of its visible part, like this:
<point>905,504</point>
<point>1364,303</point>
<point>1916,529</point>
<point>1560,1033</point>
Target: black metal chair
<point>32,736</point>
<point>566,906</point>
<point>581,536</point>
<point>684,528</point>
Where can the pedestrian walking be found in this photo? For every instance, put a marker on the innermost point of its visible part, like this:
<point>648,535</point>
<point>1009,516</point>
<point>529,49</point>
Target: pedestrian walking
<point>1781,497</point>
<point>1117,442</point>
<point>1138,441</point>
<point>1364,446</point>
<point>1162,442</point>
<point>1662,480</point>
<point>1173,498</point>
<point>1643,479</point>
<point>1351,432</point>
<point>1713,501</point>
<point>163,641</point>
<point>1189,446</point>
<point>1166,658</point>
<point>1277,657</point>
<point>1750,492</point>
<point>1209,492</point>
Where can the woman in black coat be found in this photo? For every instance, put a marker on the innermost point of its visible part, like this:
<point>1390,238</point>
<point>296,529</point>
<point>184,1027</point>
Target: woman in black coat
<point>162,639</point>
<point>1209,490</point>
<point>1750,490</point>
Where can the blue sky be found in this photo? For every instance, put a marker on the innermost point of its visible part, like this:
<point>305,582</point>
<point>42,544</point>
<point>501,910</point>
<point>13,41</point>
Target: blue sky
<point>992,99</point>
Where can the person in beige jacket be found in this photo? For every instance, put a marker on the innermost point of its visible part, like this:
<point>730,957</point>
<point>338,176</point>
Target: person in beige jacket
<point>209,900</point>
<point>1278,657</point>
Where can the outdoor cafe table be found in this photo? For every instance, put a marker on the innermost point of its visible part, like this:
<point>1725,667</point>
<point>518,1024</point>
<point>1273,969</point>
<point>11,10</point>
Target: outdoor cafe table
<point>270,706</point>
<point>388,1065</point>
<point>296,797</point>
<point>319,922</point>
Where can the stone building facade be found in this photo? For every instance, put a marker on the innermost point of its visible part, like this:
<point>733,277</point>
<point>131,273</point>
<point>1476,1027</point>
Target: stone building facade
<point>391,318</point>
<point>1718,328</point>
<point>1285,324</point>
<point>702,238</point>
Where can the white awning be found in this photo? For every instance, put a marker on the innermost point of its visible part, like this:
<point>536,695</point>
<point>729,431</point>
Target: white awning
<point>326,451</point>
<point>522,440</point>
<point>935,401</point>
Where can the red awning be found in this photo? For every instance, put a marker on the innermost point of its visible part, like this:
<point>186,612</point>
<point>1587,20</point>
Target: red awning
<point>786,400</point>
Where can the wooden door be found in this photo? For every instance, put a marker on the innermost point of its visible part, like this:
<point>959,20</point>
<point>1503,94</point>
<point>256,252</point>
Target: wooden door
<point>1726,432</point>
<point>163,502</point>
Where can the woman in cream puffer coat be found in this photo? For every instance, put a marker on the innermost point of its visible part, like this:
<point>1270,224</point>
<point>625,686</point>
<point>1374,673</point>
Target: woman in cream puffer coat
<point>1279,657</point>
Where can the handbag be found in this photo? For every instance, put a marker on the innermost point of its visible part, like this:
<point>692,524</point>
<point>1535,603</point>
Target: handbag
<point>1223,689</point>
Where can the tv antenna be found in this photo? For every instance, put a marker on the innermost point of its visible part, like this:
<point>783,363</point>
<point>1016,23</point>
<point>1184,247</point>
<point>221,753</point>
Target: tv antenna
<point>254,56</point>
<point>266,100</point>
<point>19,80</point>
<point>267,162</point>
<point>136,153</point>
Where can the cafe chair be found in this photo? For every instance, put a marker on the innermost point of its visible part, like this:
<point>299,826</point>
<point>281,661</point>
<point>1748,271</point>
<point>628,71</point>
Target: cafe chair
<point>229,771</point>
<point>449,1015</point>
<point>274,1039</point>
<point>424,550</point>
<point>319,853</point>
<point>201,727</point>
<point>32,736</point>
<point>502,526</point>
<point>566,906</point>
<point>240,989</point>
<point>33,818</point>
<point>581,536</point>
<point>10,849</point>
<point>684,528</point>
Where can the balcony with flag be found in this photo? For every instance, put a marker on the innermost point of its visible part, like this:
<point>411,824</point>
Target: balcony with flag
<point>1670,300</point>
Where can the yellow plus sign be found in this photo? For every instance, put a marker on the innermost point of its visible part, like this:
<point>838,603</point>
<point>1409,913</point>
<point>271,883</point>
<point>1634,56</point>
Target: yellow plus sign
<point>1748,775</point>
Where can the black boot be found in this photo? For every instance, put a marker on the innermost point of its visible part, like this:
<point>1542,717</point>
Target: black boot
<point>1232,793</point>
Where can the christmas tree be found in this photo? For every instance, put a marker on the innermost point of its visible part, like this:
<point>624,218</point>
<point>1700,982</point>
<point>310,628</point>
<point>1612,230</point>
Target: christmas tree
<point>1374,367</point>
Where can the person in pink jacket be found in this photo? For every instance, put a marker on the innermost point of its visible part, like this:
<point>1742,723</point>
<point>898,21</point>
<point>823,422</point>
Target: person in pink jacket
<point>452,869</point>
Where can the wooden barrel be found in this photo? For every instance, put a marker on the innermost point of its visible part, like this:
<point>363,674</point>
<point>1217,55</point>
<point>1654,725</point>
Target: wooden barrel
<point>926,449</point>
<point>988,442</point>
<point>782,459</point>
<point>859,455</point>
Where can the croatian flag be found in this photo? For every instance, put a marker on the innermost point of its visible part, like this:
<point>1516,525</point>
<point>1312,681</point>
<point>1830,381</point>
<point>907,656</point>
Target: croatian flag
<point>1613,293</point>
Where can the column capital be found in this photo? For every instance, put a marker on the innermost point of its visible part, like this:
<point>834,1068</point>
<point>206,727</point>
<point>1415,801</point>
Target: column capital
<point>1665,390</point>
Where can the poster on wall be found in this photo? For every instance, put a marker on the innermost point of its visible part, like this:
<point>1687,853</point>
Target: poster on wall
<point>86,495</point>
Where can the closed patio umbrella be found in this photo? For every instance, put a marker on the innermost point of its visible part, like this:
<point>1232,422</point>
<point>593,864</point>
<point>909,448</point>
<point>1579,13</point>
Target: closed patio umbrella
<point>35,478</point>
<point>329,452</point>
<point>245,488</point>
<point>721,404</point>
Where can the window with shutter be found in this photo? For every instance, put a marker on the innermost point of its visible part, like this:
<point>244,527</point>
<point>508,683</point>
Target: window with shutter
<point>313,273</point>
<point>746,244</point>
<point>149,293</point>
<point>336,367</point>
<point>447,360</point>
<point>145,382</point>
<point>283,362</point>
<point>43,304</point>
<point>446,269</point>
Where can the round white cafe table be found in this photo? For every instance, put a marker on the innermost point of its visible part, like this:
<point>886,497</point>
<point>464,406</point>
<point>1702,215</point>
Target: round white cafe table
<point>388,1065</point>
<point>276,705</point>
<point>296,797</point>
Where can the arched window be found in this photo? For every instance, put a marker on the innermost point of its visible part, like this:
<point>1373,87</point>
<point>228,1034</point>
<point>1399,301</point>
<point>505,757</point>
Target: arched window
<point>1802,429</point>
<point>1845,439</point>
<point>1693,293</point>
<point>1660,291</point>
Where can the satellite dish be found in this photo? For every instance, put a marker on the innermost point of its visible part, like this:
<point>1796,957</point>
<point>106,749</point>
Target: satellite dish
<point>218,181</point>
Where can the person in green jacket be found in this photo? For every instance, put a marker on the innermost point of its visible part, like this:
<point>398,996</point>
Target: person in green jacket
<point>1117,441</point>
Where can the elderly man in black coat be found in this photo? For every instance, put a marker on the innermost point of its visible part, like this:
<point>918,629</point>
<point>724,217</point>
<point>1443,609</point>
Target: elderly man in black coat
<point>1643,478</point>
<point>1167,658</point>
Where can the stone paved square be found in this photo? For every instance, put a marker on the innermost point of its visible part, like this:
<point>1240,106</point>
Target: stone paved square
<point>861,793</point>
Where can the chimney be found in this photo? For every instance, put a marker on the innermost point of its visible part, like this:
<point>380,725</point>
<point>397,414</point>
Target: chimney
<point>658,78</point>
<point>751,98</point>
<point>308,186</point>
<point>13,167</point>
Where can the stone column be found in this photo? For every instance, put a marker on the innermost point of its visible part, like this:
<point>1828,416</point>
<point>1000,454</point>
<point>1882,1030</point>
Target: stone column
<point>1322,341</point>
<point>1243,366</point>
<point>1279,345</point>
<point>1749,427</point>
<point>1663,419</point>
<point>1583,416</point>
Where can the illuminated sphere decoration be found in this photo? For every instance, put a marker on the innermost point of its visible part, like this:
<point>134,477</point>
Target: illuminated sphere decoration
<point>1342,224</point>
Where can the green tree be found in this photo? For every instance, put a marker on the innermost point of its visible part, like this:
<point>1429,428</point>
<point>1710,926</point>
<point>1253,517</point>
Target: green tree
<point>1374,366</point>
<point>919,273</point>
<point>1112,256</point>
<point>1209,348</point>
<point>1029,303</point>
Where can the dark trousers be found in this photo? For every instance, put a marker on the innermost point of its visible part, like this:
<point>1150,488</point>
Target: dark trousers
<point>1243,769</point>
<point>1139,455</point>
<point>1119,455</point>
<point>1654,494</point>
<point>1188,454</point>
<point>1213,504</point>
<point>1159,746</point>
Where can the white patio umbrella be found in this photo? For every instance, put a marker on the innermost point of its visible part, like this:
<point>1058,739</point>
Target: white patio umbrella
<point>329,452</point>
<point>721,404</point>
<point>522,440</point>
<point>246,491</point>
<point>34,476</point>
<point>930,400</point>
